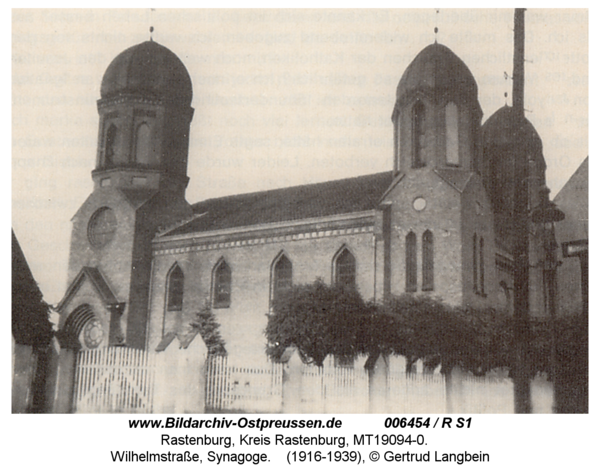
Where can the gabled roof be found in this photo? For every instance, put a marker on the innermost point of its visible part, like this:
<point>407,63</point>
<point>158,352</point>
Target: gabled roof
<point>97,281</point>
<point>185,340</point>
<point>337,197</point>
<point>137,197</point>
<point>455,177</point>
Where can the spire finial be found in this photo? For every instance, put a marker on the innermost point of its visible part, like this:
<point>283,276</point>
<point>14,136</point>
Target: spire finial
<point>151,27</point>
<point>436,29</point>
<point>506,77</point>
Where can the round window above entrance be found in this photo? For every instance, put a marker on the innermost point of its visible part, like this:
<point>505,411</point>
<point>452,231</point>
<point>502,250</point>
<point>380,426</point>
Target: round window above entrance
<point>102,227</point>
<point>93,333</point>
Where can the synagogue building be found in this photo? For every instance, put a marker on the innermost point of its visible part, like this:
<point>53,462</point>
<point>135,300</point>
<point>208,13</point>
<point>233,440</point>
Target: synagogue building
<point>144,261</point>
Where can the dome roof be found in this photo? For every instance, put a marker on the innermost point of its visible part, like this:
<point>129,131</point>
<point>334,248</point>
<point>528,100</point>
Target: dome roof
<point>437,68</point>
<point>497,131</point>
<point>150,70</point>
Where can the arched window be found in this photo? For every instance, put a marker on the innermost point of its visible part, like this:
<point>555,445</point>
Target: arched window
<point>222,285</point>
<point>110,145</point>
<point>418,135</point>
<point>411,262</point>
<point>282,277</point>
<point>345,268</point>
<point>452,134</point>
<point>143,148</point>
<point>427,260</point>
<point>175,289</point>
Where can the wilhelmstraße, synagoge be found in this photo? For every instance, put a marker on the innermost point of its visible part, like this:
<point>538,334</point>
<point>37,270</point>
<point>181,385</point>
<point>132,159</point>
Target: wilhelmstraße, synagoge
<point>144,261</point>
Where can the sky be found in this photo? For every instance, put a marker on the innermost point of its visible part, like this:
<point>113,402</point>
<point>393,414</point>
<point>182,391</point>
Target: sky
<point>281,97</point>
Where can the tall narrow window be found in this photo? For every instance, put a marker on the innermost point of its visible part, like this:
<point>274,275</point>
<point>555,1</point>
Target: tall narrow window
<point>452,134</point>
<point>418,135</point>
<point>411,262</point>
<point>427,260</point>
<point>475,264</point>
<point>345,268</point>
<point>282,277</point>
<point>143,149</point>
<point>481,270</point>
<point>474,146</point>
<point>222,286</point>
<point>175,289</point>
<point>110,145</point>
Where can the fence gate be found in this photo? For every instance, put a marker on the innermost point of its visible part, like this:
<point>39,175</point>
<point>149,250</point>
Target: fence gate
<point>114,380</point>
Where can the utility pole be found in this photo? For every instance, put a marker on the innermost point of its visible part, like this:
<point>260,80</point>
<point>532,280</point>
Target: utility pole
<point>522,391</point>
<point>545,215</point>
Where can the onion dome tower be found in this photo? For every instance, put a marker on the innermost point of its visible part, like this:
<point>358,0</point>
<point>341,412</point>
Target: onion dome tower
<point>498,168</point>
<point>437,115</point>
<point>145,117</point>
<point>439,206</point>
<point>139,178</point>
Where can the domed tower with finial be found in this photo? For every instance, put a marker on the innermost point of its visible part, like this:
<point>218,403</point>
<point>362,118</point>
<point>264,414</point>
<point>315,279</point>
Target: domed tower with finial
<point>145,117</point>
<point>439,207</point>
<point>140,177</point>
<point>437,115</point>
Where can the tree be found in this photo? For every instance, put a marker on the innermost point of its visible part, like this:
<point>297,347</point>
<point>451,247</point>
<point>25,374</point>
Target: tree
<point>474,339</point>
<point>207,326</point>
<point>30,323</point>
<point>319,320</point>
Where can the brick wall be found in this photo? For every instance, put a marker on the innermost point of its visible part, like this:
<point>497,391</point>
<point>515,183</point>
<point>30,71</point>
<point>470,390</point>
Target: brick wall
<point>243,323</point>
<point>441,216</point>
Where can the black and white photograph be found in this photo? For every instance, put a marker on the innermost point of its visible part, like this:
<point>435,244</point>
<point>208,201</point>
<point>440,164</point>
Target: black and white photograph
<point>284,211</point>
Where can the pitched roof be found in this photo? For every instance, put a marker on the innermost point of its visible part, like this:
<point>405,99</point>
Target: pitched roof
<point>455,177</point>
<point>137,197</point>
<point>98,282</point>
<point>288,204</point>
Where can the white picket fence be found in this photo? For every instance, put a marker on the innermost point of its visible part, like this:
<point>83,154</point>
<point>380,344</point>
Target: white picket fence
<point>243,388</point>
<point>122,380</point>
<point>416,390</point>
<point>114,380</point>
<point>334,389</point>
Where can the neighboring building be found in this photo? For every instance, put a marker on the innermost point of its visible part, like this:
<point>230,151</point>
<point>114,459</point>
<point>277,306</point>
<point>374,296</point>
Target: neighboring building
<point>572,237</point>
<point>571,388</point>
<point>31,336</point>
<point>143,261</point>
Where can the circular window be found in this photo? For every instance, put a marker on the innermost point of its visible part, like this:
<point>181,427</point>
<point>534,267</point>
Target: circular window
<point>102,227</point>
<point>93,333</point>
<point>419,203</point>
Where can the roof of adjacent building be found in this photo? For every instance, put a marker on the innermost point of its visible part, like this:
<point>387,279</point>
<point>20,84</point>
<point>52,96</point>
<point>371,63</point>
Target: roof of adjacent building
<point>573,200</point>
<point>324,199</point>
<point>149,70</point>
